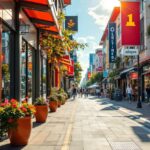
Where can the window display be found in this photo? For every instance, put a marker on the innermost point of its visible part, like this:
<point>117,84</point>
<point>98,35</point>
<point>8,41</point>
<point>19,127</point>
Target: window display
<point>6,33</point>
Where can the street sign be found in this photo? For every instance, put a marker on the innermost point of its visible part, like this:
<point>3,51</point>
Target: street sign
<point>112,42</point>
<point>130,52</point>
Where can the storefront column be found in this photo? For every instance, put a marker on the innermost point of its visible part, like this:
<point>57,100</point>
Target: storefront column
<point>1,59</point>
<point>16,72</point>
<point>36,72</point>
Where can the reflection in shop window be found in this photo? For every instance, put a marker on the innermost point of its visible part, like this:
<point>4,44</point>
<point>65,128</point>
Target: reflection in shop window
<point>29,72</point>
<point>5,63</point>
<point>23,70</point>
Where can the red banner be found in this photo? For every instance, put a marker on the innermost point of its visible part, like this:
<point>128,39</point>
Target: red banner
<point>99,61</point>
<point>134,75</point>
<point>71,69</point>
<point>130,23</point>
<point>67,2</point>
<point>89,75</point>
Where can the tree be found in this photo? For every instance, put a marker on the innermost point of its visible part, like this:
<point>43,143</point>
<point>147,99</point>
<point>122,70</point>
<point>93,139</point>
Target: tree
<point>97,77</point>
<point>77,72</point>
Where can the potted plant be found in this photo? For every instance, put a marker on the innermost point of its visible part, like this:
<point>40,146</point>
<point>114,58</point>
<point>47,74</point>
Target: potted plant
<point>60,99</point>
<point>53,103</point>
<point>41,110</point>
<point>16,120</point>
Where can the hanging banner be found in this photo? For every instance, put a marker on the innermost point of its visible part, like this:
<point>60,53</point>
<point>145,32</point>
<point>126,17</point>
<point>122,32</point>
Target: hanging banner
<point>99,61</point>
<point>71,69</point>
<point>112,42</point>
<point>71,23</point>
<point>89,75</point>
<point>130,23</point>
<point>67,2</point>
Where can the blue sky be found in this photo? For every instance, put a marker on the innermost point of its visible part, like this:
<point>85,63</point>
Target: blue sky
<point>93,16</point>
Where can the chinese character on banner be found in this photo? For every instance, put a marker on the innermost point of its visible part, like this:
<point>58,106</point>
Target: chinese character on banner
<point>71,23</point>
<point>112,42</point>
<point>130,23</point>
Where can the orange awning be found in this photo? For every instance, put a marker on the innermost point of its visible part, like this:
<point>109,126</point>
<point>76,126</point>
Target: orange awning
<point>40,14</point>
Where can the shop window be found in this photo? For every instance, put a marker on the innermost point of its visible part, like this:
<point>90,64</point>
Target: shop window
<point>29,72</point>
<point>43,76</point>
<point>6,33</point>
<point>26,70</point>
<point>23,69</point>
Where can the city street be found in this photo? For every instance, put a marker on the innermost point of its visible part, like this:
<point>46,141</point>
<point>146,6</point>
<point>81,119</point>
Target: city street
<point>90,124</point>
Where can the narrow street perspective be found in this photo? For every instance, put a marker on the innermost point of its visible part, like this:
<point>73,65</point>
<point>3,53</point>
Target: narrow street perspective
<point>88,124</point>
<point>74,74</point>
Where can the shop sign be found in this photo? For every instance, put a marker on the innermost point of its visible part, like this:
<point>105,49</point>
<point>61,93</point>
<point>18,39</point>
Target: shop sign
<point>133,75</point>
<point>130,23</point>
<point>130,52</point>
<point>71,69</point>
<point>105,73</point>
<point>112,42</point>
<point>99,61</point>
<point>71,23</point>
<point>89,75</point>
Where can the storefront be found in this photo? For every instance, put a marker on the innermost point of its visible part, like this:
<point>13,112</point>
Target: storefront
<point>23,69</point>
<point>145,79</point>
<point>6,48</point>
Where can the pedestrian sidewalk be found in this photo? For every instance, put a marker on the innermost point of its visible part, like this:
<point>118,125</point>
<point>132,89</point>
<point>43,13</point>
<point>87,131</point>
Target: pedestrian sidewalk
<point>142,115</point>
<point>50,135</point>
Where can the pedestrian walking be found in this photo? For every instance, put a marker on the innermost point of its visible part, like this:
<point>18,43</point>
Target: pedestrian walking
<point>81,92</point>
<point>148,92</point>
<point>129,93</point>
<point>74,91</point>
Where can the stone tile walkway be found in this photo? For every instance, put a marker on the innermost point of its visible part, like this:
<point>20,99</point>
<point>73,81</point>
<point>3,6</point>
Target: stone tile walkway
<point>85,124</point>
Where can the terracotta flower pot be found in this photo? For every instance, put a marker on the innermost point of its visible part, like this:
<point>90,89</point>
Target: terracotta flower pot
<point>53,106</point>
<point>41,113</point>
<point>20,134</point>
<point>59,103</point>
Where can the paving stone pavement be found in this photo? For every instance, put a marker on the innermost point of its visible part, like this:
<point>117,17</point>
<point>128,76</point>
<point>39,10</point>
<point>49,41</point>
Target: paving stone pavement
<point>85,124</point>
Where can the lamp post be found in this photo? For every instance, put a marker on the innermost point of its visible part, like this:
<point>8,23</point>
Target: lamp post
<point>139,103</point>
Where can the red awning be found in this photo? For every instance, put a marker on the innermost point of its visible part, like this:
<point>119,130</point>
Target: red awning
<point>40,14</point>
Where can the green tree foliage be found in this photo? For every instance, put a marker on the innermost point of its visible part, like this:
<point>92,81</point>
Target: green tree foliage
<point>97,77</point>
<point>77,72</point>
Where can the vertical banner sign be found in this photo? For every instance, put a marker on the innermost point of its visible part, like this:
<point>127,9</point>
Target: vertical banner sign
<point>130,23</point>
<point>112,42</point>
<point>99,61</point>
<point>71,23</point>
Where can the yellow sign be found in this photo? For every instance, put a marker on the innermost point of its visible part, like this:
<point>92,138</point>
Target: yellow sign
<point>130,22</point>
<point>71,23</point>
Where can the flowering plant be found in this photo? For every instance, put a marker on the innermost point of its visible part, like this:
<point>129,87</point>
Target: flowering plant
<point>10,111</point>
<point>40,101</point>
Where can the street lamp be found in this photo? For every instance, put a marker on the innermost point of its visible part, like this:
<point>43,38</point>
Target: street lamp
<point>139,103</point>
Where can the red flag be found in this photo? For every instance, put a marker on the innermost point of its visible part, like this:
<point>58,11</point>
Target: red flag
<point>130,23</point>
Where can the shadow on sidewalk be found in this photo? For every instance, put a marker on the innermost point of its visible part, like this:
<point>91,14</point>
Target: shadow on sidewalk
<point>109,108</point>
<point>141,133</point>
<point>35,124</point>
<point>8,146</point>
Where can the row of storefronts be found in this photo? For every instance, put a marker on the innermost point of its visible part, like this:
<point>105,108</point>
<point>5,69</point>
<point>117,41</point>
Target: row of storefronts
<point>128,66</point>
<point>24,66</point>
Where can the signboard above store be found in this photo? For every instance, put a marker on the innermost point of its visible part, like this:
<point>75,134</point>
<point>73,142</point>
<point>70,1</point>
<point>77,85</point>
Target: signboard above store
<point>130,52</point>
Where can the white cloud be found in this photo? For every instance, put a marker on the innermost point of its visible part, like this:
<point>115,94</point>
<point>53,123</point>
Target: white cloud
<point>101,11</point>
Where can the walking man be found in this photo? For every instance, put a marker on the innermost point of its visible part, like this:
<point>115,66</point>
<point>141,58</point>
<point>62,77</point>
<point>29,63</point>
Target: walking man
<point>129,93</point>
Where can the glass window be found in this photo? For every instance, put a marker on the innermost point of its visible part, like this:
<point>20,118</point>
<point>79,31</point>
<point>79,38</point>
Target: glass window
<point>29,72</point>
<point>5,62</point>
<point>23,69</point>
<point>26,70</point>
<point>43,76</point>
